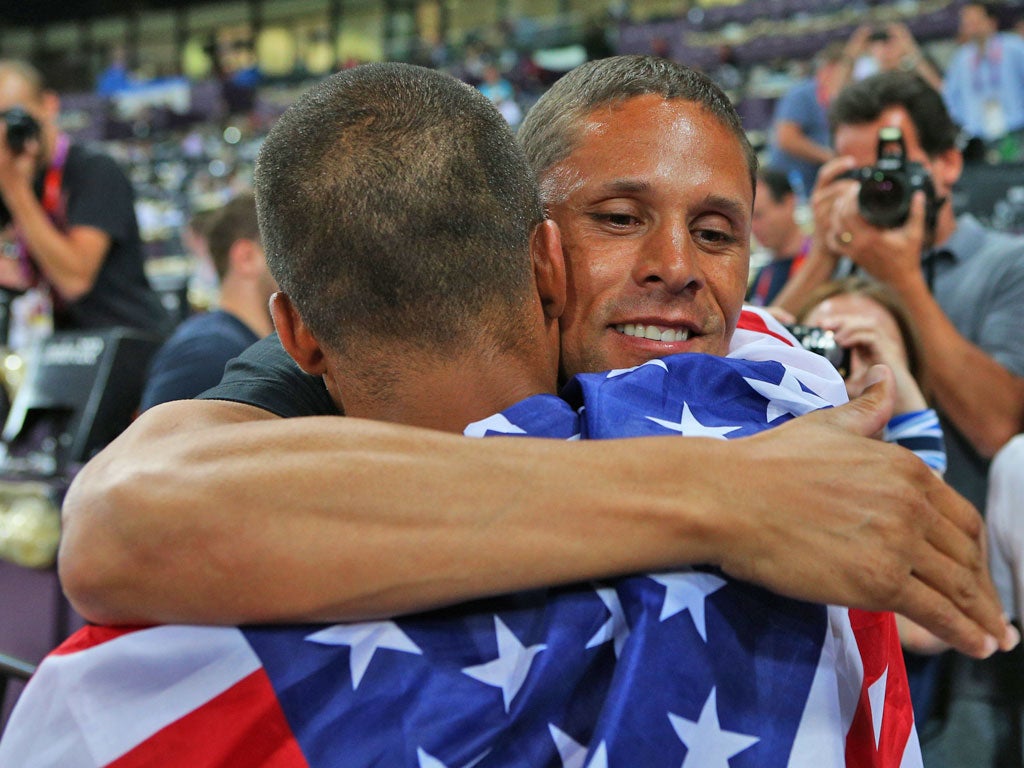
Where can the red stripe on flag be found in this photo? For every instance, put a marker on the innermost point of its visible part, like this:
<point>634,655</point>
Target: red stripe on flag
<point>90,636</point>
<point>879,644</point>
<point>241,728</point>
<point>751,321</point>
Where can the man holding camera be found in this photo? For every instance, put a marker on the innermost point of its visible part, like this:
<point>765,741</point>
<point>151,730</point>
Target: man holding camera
<point>73,232</point>
<point>964,287</point>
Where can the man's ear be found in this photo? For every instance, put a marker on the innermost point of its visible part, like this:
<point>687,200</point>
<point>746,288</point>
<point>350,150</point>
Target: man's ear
<point>246,257</point>
<point>296,338</point>
<point>549,267</point>
<point>948,166</point>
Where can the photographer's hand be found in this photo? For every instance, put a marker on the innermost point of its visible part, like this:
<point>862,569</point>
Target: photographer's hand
<point>891,256</point>
<point>17,171</point>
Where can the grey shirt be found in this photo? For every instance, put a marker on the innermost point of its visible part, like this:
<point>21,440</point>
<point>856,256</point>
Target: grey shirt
<point>977,277</point>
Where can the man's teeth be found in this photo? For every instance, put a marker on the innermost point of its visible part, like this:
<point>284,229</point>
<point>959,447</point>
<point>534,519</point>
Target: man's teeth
<point>653,332</point>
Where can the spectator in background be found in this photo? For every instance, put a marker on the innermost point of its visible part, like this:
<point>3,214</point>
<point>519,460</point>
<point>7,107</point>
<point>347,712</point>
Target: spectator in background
<point>889,48</point>
<point>74,210</point>
<point>116,77</point>
<point>501,94</point>
<point>193,359</point>
<point>964,287</point>
<point>800,140</point>
<point>1006,525</point>
<point>984,85</point>
<point>775,226</point>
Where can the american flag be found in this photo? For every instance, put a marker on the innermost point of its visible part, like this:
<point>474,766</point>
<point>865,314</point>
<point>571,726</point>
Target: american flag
<point>689,668</point>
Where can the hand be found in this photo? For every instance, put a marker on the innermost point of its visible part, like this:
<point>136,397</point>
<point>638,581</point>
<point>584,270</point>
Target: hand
<point>903,40</point>
<point>872,344</point>
<point>867,525</point>
<point>828,189</point>
<point>17,169</point>
<point>891,256</point>
<point>857,45</point>
<point>917,639</point>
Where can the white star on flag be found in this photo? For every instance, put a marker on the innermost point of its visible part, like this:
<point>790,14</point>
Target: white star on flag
<point>364,640</point>
<point>496,423</point>
<point>687,591</point>
<point>619,371</point>
<point>510,669</point>
<point>572,753</point>
<point>787,396</point>
<point>876,699</point>
<point>615,629</point>
<point>688,426</point>
<point>600,759</point>
<point>707,745</point>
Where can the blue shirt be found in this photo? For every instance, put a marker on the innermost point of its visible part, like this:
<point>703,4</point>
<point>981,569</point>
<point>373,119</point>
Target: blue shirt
<point>193,359</point>
<point>974,79</point>
<point>800,105</point>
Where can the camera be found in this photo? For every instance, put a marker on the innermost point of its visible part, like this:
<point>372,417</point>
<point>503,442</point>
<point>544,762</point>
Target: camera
<point>887,187</point>
<point>21,127</point>
<point>823,343</point>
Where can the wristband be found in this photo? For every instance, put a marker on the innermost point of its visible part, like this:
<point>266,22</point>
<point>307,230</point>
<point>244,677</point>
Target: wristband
<point>920,432</point>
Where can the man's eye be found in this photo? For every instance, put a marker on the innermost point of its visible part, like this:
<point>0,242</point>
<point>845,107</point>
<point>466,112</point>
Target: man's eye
<point>714,236</point>
<point>617,219</point>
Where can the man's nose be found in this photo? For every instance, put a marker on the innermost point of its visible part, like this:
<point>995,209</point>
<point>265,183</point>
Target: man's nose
<point>670,260</point>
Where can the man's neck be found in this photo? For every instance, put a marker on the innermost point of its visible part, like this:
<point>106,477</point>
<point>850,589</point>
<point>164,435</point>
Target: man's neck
<point>446,395</point>
<point>792,246</point>
<point>249,303</point>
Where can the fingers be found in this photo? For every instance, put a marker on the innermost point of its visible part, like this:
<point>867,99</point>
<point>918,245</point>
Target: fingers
<point>939,615</point>
<point>952,561</point>
<point>867,414</point>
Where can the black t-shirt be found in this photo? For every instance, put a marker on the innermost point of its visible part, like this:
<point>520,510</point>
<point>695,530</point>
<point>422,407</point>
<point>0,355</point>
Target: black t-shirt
<point>265,376</point>
<point>98,194</point>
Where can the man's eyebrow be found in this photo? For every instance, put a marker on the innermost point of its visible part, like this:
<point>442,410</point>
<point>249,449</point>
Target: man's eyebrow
<point>730,206</point>
<point>626,186</point>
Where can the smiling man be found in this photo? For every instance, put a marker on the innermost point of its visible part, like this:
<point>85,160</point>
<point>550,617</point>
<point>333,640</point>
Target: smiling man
<point>354,534</point>
<point>657,245</point>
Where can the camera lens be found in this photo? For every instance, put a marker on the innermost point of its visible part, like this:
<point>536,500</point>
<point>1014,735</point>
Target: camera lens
<point>21,127</point>
<point>884,199</point>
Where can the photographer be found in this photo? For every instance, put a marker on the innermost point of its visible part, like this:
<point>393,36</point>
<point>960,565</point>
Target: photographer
<point>963,285</point>
<point>76,237</point>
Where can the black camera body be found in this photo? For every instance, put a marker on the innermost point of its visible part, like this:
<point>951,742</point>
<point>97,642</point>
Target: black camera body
<point>887,187</point>
<point>21,128</point>
<point>823,343</point>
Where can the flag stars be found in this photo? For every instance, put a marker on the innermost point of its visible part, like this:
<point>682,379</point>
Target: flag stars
<point>688,426</point>
<point>707,744</point>
<point>510,669</point>
<point>687,592</point>
<point>788,396</point>
<point>615,629</point>
<point>364,640</point>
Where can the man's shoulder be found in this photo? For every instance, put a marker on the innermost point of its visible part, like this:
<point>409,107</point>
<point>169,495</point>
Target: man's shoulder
<point>213,330</point>
<point>974,240</point>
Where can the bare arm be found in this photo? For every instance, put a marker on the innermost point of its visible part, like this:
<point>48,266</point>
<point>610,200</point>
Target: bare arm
<point>824,253</point>
<point>213,512</point>
<point>790,138</point>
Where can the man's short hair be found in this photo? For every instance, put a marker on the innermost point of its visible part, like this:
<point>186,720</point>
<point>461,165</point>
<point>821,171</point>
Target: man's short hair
<point>26,72</point>
<point>394,202</point>
<point>777,183</point>
<point>236,220</point>
<point>864,101</point>
<point>550,132</point>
